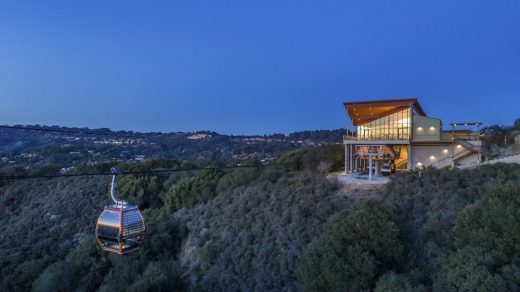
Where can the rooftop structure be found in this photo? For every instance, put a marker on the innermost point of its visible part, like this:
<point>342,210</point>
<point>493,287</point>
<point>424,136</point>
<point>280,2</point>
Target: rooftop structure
<point>398,135</point>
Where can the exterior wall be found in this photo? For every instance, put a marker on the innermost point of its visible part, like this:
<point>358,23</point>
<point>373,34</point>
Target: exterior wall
<point>431,155</point>
<point>426,129</point>
<point>441,155</point>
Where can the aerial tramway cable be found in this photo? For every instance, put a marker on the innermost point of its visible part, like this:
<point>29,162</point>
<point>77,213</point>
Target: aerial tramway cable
<point>18,177</point>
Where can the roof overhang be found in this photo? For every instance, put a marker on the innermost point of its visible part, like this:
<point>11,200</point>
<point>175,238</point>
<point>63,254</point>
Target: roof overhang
<point>365,111</point>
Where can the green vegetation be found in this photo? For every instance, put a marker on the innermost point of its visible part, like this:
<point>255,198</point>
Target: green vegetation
<point>354,251</point>
<point>487,236</point>
<point>290,227</point>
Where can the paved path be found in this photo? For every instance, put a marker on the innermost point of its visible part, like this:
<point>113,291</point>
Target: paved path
<point>358,179</point>
<point>507,159</point>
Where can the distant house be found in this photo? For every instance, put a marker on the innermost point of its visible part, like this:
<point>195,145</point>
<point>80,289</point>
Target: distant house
<point>399,133</point>
<point>199,136</point>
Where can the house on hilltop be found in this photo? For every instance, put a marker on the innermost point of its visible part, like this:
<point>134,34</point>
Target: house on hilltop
<point>399,133</point>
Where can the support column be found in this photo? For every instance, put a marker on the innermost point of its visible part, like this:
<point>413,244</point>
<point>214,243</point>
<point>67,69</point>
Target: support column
<point>479,145</point>
<point>453,145</point>
<point>378,167</point>
<point>346,158</point>
<point>352,157</point>
<point>410,160</point>
<point>370,164</point>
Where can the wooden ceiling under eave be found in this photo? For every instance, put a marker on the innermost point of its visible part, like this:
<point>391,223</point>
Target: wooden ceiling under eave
<point>366,111</point>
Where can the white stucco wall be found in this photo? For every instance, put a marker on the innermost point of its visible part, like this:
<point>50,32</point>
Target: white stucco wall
<point>431,155</point>
<point>426,129</point>
<point>441,155</point>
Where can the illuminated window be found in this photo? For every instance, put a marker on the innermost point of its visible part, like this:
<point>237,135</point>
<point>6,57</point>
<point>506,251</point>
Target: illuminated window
<point>396,126</point>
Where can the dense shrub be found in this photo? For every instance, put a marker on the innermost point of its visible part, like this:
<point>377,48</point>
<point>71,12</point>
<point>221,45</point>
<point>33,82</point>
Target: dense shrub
<point>331,155</point>
<point>427,204</point>
<point>249,229</point>
<point>251,238</point>
<point>391,282</point>
<point>82,269</point>
<point>192,190</point>
<point>486,237</point>
<point>354,250</point>
<point>145,191</point>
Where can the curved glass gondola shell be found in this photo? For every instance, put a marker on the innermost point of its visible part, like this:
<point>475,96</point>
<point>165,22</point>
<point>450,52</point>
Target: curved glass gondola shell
<point>120,227</point>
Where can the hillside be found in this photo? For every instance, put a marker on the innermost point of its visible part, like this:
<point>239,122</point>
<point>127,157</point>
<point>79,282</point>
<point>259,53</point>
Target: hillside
<point>63,147</point>
<point>274,228</point>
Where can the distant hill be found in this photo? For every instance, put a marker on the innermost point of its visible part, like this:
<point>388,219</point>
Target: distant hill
<point>36,146</point>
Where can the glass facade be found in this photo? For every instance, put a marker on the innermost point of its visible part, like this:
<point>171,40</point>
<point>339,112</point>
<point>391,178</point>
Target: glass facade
<point>396,126</point>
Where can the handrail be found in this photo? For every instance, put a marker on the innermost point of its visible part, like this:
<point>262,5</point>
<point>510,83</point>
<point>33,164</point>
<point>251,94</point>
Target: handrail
<point>379,138</point>
<point>456,157</point>
<point>467,145</point>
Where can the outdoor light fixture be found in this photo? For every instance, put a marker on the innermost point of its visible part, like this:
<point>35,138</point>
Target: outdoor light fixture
<point>432,157</point>
<point>445,151</point>
<point>419,129</point>
<point>432,128</point>
<point>459,146</point>
<point>419,164</point>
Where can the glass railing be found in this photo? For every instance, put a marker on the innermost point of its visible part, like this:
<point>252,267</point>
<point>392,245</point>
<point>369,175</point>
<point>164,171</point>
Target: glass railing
<point>374,138</point>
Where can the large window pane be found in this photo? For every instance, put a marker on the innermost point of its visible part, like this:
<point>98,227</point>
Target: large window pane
<point>391,127</point>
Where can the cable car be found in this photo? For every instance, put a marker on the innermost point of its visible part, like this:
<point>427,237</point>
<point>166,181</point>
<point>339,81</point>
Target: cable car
<point>120,227</point>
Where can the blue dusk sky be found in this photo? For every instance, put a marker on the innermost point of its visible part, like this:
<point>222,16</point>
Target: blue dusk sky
<point>254,67</point>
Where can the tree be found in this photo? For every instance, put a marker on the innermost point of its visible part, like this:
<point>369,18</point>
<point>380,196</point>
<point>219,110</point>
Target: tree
<point>470,269</point>
<point>494,225</point>
<point>486,238</point>
<point>391,282</point>
<point>354,250</point>
<point>192,190</point>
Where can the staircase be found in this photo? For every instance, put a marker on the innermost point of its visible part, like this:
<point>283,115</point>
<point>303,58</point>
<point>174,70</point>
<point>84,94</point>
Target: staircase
<point>400,164</point>
<point>470,149</point>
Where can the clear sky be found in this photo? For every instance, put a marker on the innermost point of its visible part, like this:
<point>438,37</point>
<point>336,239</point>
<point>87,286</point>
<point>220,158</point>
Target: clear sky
<point>252,67</point>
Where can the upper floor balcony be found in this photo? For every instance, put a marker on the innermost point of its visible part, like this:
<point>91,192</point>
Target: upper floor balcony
<point>389,137</point>
<point>393,139</point>
<point>382,139</point>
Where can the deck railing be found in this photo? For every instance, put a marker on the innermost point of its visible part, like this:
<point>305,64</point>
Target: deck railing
<point>474,136</point>
<point>376,138</point>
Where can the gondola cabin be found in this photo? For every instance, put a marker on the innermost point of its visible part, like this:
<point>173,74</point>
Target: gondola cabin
<point>120,228</point>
